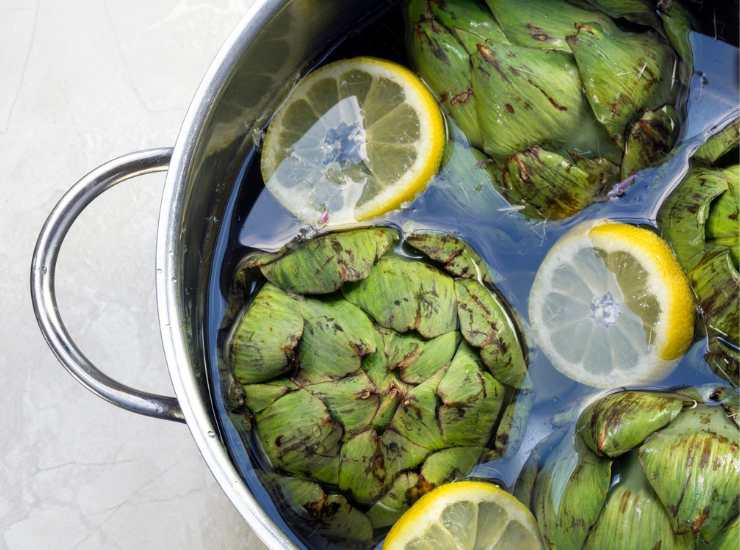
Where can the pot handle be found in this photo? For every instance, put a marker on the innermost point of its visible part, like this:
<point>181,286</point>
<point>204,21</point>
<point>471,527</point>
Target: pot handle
<point>43,293</point>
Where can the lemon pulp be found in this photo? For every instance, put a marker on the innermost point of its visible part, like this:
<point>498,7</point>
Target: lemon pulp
<point>468,515</point>
<point>611,307</point>
<point>354,139</point>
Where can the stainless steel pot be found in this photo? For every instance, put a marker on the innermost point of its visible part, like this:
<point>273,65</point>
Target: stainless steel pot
<point>273,44</point>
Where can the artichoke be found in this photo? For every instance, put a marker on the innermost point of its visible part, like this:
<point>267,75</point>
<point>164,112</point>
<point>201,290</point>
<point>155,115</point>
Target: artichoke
<point>564,100</point>
<point>370,377</point>
<point>640,470</point>
<point>700,221</point>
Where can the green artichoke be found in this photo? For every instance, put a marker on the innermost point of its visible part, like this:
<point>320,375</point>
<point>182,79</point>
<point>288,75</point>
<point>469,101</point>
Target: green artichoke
<point>371,377</point>
<point>700,221</point>
<point>640,470</point>
<point>564,101</point>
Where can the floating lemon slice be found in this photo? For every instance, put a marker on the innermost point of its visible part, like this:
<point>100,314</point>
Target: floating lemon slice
<point>468,515</point>
<point>611,307</point>
<point>354,139</point>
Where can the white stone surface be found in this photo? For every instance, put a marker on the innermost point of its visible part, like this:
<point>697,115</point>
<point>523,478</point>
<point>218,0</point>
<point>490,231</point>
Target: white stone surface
<point>82,82</point>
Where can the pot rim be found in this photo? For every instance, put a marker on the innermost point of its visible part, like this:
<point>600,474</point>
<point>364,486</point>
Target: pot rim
<point>171,318</point>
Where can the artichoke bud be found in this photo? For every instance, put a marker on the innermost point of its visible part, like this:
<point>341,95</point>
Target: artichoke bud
<point>442,61</point>
<point>617,423</point>
<point>623,73</point>
<point>649,140</point>
<point>719,144</point>
<point>376,390</point>
<point>329,515</point>
<point>694,467</point>
<point>570,492</point>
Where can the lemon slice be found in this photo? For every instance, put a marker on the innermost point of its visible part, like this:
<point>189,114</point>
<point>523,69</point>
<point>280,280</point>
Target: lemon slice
<point>354,139</point>
<point>468,515</point>
<point>611,307</point>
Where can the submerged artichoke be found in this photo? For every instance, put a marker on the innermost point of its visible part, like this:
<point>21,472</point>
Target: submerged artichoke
<point>563,99</point>
<point>371,377</point>
<point>641,470</point>
<point>700,220</point>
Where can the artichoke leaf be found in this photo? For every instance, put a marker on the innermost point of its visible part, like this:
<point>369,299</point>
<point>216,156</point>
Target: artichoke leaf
<point>617,423</point>
<point>336,336</point>
<point>543,24</point>
<point>450,464</point>
<point>396,501</point>
<point>262,344</point>
<point>724,359</point>
<point>435,354</point>
<point>485,324</point>
<point>633,517</point>
<point>683,217</point>
<point>353,400</point>
<point>416,416</point>
<point>637,11</point>
<point>524,487</point>
<point>444,64</point>
<point>716,283</point>
<point>361,470</point>
<point>323,264</point>
<point>405,295</point>
<point>453,254</point>
<point>513,424</point>
<point>298,435</point>
<point>694,467</point>
<point>550,186</point>
<point>471,401</point>
<point>649,140</point>
<point>260,396</point>
<point>729,539</point>
<point>719,144</point>
<point>677,24</point>
<point>570,492</point>
<point>330,515</point>
<point>527,97</point>
<point>469,21</point>
<point>399,453</point>
<point>723,228</point>
<point>623,74</point>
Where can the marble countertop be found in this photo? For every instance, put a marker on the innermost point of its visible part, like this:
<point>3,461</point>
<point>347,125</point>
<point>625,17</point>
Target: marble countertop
<point>85,81</point>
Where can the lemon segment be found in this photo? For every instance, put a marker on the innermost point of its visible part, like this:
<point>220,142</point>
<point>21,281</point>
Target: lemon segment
<point>468,515</point>
<point>610,306</point>
<point>355,139</point>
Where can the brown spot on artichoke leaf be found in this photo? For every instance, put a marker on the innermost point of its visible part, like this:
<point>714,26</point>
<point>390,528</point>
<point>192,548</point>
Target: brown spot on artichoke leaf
<point>462,97</point>
<point>538,33</point>
<point>551,99</point>
<point>490,58</point>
